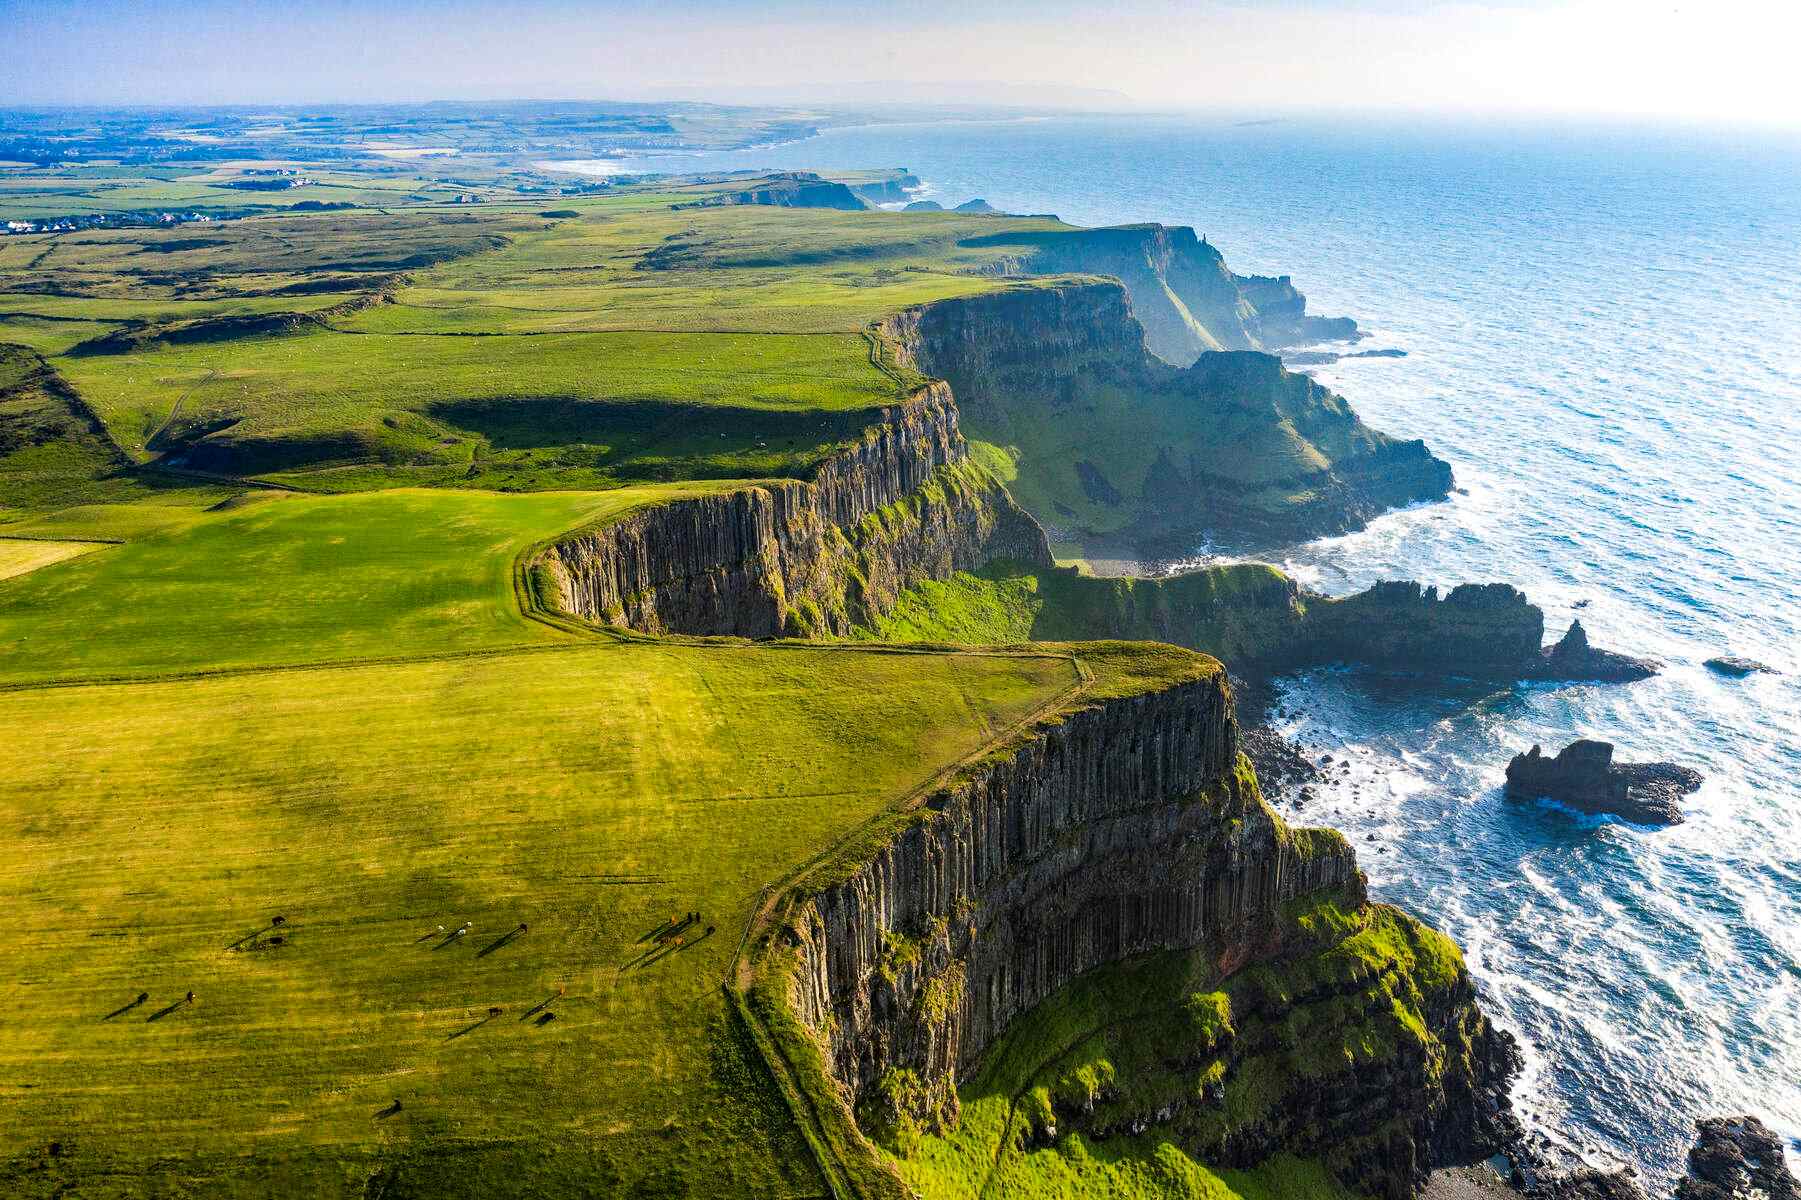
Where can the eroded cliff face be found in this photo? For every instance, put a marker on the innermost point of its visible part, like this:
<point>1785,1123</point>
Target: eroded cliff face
<point>802,558</point>
<point>1132,828</point>
<point>1188,300</point>
<point>1117,445</point>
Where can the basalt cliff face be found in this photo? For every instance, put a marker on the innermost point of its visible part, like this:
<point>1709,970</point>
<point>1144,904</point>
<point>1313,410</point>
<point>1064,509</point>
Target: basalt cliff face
<point>1077,850</point>
<point>1115,445</point>
<point>1130,832</point>
<point>1187,299</point>
<point>801,558</point>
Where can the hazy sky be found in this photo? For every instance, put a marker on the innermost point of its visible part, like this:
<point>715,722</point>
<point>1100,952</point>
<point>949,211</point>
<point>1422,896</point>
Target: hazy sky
<point>1718,60</point>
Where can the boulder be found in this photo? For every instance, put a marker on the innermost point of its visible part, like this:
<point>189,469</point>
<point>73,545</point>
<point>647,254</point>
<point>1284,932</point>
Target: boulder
<point>1584,776</point>
<point>1738,668</point>
<point>1737,1158</point>
<point>1573,658</point>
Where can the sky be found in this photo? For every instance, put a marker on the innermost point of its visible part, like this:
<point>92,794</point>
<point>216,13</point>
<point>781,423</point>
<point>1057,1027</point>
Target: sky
<point>1717,61</point>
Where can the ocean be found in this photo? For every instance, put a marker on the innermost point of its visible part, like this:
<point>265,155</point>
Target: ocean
<point>1602,330</point>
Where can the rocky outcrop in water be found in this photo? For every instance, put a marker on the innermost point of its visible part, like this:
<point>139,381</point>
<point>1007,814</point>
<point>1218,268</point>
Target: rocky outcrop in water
<point>1737,1158</point>
<point>1573,658</point>
<point>1260,621</point>
<point>1585,1183</point>
<point>1233,448</point>
<point>1485,630</point>
<point>1738,668</point>
<point>1584,776</point>
<point>809,558</point>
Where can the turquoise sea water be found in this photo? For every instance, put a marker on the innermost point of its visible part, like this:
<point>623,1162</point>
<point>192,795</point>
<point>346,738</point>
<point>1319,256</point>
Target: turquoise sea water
<point>1603,331</point>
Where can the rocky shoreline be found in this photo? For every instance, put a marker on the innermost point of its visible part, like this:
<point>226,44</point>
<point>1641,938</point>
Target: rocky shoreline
<point>1732,1158</point>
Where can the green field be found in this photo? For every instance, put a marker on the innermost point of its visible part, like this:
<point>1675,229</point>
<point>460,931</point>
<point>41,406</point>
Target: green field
<point>276,579</point>
<point>156,826</point>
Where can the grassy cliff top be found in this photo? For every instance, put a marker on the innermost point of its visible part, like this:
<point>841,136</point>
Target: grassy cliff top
<point>617,340</point>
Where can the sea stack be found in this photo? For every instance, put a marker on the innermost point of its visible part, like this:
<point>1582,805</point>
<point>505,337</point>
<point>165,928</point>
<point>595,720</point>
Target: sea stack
<point>1573,658</point>
<point>1584,776</point>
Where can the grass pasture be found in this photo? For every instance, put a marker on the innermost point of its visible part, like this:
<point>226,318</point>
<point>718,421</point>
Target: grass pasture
<point>628,343</point>
<point>588,792</point>
<point>272,579</point>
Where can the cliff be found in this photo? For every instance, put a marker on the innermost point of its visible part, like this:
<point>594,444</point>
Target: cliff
<point>1118,447</point>
<point>801,558</point>
<point>798,189</point>
<point>1130,832</point>
<point>1260,621</point>
<point>1125,828</point>
<point>889,188</point>
<point>1183,293</point>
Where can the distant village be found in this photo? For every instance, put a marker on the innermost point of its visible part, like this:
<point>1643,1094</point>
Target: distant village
<point>112,221</point>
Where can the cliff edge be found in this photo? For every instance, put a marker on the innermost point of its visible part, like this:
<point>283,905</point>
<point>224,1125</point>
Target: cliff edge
<point>1118,449</point>
<point>1099,932</point>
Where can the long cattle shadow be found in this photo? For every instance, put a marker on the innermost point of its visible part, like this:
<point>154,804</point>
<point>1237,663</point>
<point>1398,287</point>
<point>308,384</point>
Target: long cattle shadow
<point>466,1030</point>
<point>160,1013</point>
<point>142,998</point>
<point>500,943</point>
<point>657,954</point>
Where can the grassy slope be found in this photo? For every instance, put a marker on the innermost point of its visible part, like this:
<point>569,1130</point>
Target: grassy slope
<point>1237,612</point>
<point>1153,1033</point>
<point>22,556</point>
<point>631,343</point>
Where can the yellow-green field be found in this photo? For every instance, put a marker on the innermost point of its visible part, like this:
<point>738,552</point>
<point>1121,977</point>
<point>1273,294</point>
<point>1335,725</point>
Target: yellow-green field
<point>588,792</point>
<point>20,555</point>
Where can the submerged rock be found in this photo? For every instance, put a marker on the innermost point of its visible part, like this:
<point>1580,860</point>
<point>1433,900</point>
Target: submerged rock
<point>1584,776</point>
<point>1737,1158</point>
<point>1738,668</point>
